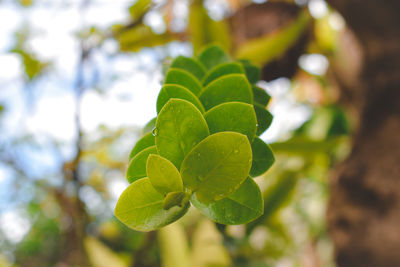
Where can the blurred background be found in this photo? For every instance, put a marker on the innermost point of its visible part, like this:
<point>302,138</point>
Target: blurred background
<point>78,80</point>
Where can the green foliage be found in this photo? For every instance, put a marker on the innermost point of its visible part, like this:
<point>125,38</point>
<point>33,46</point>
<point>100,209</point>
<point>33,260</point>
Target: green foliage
<point>183,78</point>
<point>140,207</point>
<point>242,206</point>
<point>205,158</point>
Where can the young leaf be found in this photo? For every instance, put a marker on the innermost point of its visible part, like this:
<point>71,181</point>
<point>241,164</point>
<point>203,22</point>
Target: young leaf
<point>190,65</point>
<point>229,88</point>
<point>149,126</point>
<point>177,91</point>
<point>179,127</point>
<point>217,166</point>
<point>163,175</point>
<point>144,142</point>
<point>264,119</point>
<point>212,55</point>
<point>140,207</point>
<point>137,165</point>
<point>260,96</point>
<point>184,78</point>
<point>175,199</point>
<point>262,157</point>
<point>232,116</point>
<point>221,70</point>
<point>242,206</point>
<point>253,73</point>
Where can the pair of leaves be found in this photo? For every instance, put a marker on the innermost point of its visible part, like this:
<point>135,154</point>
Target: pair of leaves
<point>181,161</point>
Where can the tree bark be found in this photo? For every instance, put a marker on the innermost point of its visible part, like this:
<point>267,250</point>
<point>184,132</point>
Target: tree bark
<point>364,209</point>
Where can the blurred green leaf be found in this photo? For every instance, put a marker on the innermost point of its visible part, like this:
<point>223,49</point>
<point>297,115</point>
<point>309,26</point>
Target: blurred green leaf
<point>212,55</point>
<point>174,246</point>
<point>139,8</point>
<point>204,30</point>
<point>267,48</point>
<point>260,96</point>
<point>264,119</point>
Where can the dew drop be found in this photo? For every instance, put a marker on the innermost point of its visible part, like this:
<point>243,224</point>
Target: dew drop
<point>236,151</point>
<point>154,132</point>
<point>257,125</point>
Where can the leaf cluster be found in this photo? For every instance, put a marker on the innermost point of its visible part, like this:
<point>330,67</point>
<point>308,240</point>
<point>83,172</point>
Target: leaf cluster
<point>204,148</point>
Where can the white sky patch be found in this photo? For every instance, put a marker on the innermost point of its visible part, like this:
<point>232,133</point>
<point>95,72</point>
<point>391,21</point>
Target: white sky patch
<point>10,67</point>
<point>318,8</point>
<point>53,115</point>
<point>10,20</point>
<point>14,225</point>
<point>316,64</point>
<point>155,21</point>
<point>129,102</point>
<point>288,114</point>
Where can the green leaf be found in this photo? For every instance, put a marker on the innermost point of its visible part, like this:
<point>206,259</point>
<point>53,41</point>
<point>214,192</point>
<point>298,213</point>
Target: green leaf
<point>217,166</point>
<point>263,158</point>
<point>190,65</point>
<point>177,91</point>
<point>221,70</point>
<point>264,118</point>
<point>253,72</point>
<point>179,127</point>
<point>144,142</point>
<point>149,126</point>
<point>140,207</point>
<point>139,8</point>
<point>137,165</point>
<point>260,96</point>
<point>175,199</point>
<point>212,56</point>
<point>163,175</point>
<point>229,88</point>
<point>242,206</point>
<point>265,49</point>
<point>184,78</point>
<point>232,116</point>
<point>134,39</point>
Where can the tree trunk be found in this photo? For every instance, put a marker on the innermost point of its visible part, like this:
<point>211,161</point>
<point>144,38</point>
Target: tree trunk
<point>364,209</point>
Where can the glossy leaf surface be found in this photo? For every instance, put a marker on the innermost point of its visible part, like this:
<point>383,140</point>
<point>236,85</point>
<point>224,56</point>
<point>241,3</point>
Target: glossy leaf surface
<point>144,142</point>
<point>184,78</point>
<point>217,166</point>
<point>242,206</point>
<point>264,118</point>
<point>179,127</point>
<point>190,65</point>
<point>229,88</point>
<point>253,73</point>
<point>221,70</point>
<point>260,96</point>
<point>176,91</point>
<point>263,158</point>
<point>232,116</point>
<point>137,166</point>
<point>163,175</point>
<point>212,55</point>
<point>140,207</point>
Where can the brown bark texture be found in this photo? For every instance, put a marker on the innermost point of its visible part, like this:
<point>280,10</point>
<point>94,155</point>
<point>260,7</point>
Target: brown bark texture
<point>364,208</point>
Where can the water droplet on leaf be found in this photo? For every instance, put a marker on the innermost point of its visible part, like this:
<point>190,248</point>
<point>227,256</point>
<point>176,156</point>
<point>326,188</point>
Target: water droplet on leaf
<point>154,132</point>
